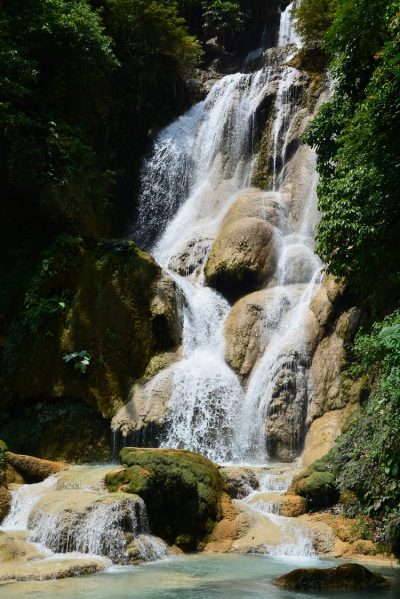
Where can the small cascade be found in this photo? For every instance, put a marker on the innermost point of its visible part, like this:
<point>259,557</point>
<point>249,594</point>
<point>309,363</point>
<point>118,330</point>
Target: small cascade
<point>67,514</point>
<point>206,393</point>
<point>296,539</point>
<point>287,32</point>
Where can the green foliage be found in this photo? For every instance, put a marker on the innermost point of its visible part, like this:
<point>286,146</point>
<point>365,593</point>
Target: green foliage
<point>80,360</point>
<point>313,19</point>
<point>71,74</point>
<point>221,16</point>
<point>367,456</point>
<point>357,138</point>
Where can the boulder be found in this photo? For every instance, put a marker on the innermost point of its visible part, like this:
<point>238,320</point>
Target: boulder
<point>249,326</point>
<point>34,469</point>
<point>243,255</point>
<point>317,484</point>
<point>181,489</point>
<point>293,506</point>
<point>341,578</point>
<point>239,481</point>
<point>242,258</point>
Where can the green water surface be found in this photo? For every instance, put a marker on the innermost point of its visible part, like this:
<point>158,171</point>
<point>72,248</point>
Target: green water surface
<point>206,576</point>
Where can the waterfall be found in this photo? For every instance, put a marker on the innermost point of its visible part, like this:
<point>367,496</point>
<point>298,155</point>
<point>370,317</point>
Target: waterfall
<point>69,513</point>
<point>287,32</point>
<point>198,168</point>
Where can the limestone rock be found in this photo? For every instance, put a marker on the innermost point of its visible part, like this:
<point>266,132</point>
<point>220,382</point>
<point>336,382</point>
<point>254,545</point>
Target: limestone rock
<point>249,326</point>
<point>147,406</point>
<point>293,506</point>
<point>164,310</point>
<point>51,569</point>
<point>342,578</point>
<point>5,501</point>
<point>328,361</point>
<point>182,491</point>
<point>34,469</point>
<point>14,547</point>
<point>12,476</point>
<point>243,255</point>
<point>239,481</point>
<point>322,433</point>
<point>91,522</point>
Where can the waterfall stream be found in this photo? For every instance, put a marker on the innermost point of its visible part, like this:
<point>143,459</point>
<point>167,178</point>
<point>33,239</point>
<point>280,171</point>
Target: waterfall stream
<point>199,168</point>
<point>71,515</point>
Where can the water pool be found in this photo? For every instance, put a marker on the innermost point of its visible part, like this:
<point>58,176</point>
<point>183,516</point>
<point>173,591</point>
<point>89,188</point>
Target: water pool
<point>204,576</point>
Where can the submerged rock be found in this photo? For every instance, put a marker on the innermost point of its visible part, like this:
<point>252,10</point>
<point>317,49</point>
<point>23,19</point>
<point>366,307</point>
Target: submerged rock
<point>341,578</point>
<point>181,489</point>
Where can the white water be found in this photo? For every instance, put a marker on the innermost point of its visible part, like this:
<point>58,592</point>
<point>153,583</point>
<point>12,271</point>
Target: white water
<point>198,166</point>
<point>297,538</point>
<point>287,32</point>
<point>66,515</point>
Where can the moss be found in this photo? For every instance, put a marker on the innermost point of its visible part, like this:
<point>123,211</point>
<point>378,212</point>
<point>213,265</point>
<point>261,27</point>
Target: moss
<point>317,484</point>
<point>181,489</point>
<point>92,297</point>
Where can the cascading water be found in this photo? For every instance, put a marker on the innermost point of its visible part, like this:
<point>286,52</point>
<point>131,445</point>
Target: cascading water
<point>196,171</point>
<point>65,514</point>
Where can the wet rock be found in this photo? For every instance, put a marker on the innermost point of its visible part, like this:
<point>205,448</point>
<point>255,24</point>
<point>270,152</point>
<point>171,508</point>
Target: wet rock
<point>191,258</point>
<point>242,258</point>
<point>341,578</point>
<point>91,522</point>
<point>243,255</point>
<point>285,425</point>
<point>5,501</point>
<point>239,482</point>
<point>249,326</point>
<point>147,406</point>
<point>182,491</point>
<point>34,469</point>
<point>50,569</point>
<point>15,547</point>
<point>293,506</point>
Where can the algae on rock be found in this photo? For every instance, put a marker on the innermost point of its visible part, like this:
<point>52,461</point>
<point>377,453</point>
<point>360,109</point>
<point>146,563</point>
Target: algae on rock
<point>108,299</point>
<point>181,489</point>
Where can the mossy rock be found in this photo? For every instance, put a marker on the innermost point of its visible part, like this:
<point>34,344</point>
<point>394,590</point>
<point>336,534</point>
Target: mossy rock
<point>342,578</point>
<point>181,490</point>
<point>317,484</point>
<point>102,299</point>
